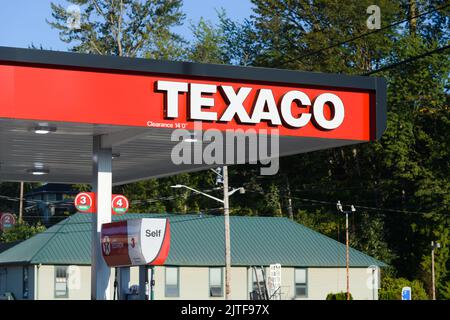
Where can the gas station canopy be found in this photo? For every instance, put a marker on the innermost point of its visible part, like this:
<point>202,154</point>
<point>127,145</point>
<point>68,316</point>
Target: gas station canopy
<point>53,104</point>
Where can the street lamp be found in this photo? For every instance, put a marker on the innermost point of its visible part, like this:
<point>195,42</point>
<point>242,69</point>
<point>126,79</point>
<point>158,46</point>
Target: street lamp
<point>434,245</point>
<point>196,191</point>
<point>340,209</point>
<point>226,210</point>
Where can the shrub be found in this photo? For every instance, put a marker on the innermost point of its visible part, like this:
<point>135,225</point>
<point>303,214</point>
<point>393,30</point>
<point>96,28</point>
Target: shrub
<point>21,231</point>
<point>391,289</point>
<point>338,296</point>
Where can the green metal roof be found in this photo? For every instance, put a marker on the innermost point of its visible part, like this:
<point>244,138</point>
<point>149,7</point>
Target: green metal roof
<point>198,241</point>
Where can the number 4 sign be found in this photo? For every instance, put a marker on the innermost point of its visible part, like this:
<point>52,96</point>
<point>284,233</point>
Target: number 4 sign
<point>119,204</point>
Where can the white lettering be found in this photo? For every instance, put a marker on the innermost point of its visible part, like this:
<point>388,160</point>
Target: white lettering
<point>318,111</point>
<point>236,102</point>
<point>173,89</point>
<point>197,102</point>
<point>265,106</point>
<point>265,98</point>
<point>286,109</point>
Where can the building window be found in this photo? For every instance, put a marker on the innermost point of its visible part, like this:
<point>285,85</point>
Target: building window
<point>215,282</point>
<point>301,285</point>
<point>172,282</point>
<point>61,280</point>
<point>257,277</point>
<point>258,286</point>
<point>25,287</point>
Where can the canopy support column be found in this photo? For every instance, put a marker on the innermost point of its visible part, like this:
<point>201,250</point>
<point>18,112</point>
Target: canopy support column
<point>124,282</point>
<point>102,186</point>
<point>143,280</point>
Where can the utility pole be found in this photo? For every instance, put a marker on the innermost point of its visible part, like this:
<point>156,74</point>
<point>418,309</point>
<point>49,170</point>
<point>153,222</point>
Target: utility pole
<point>434,245</point>
<point>289,199</point>
<point>21,203</point>
<point>347,247</point>
<point>347,259</point>
<point>222,178</point>
<point>226,211</point>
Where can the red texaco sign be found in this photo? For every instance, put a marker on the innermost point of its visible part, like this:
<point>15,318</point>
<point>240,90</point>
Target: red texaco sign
<point>51,94</point>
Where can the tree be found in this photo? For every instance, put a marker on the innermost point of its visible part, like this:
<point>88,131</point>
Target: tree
<point>293,34</point>
<point>132,28</point>
<point>21,231</point>
<point>207,44</point>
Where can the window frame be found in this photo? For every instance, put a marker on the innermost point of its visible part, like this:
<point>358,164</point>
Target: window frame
<point>178,282</point>
<point>305,284</point>
<point>66,295</point>
<point>221,282</point>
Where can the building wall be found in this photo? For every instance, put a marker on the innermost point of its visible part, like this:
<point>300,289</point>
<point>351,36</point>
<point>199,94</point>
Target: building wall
<point>79,283</point>
<point>11,280</point>
<point>322,281</point>
<point>194,282</point>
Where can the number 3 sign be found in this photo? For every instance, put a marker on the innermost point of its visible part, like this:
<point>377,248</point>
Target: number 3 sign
<point>84,202</point>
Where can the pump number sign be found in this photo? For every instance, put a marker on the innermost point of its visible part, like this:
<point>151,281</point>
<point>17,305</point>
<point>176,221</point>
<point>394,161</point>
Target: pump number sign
<point>119,204</point>
<point>84,202</point>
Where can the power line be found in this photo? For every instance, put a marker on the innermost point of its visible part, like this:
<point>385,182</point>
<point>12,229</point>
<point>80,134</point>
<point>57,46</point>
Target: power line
<point>368,33</point>
<point>67,202</point>
<point>369,208</point>
<point>356,206</point>
<point>414,58</point>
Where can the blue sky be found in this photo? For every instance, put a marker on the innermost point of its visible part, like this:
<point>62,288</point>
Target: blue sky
<point>22,22</point>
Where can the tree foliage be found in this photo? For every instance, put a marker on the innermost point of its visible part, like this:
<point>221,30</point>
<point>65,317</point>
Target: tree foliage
<point>132,28</point>
<point>21,231</point>
<point>338,296</point>
<point>391,289</point>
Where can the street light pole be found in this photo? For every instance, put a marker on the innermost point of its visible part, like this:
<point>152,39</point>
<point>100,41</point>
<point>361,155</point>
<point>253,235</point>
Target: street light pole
<point>226,211</point>
<point>347,246</point>
<point>434,245</point>
<point>21,203</point>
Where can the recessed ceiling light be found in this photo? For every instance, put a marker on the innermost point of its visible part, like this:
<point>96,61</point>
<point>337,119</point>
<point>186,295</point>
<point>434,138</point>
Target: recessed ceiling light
<point>38,171</point>
<point>44,129</point>
<point>191,139</point>
<point>115,155</point>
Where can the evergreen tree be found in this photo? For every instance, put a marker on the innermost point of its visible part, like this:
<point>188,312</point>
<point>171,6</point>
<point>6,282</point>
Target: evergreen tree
<point>132,28</point>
